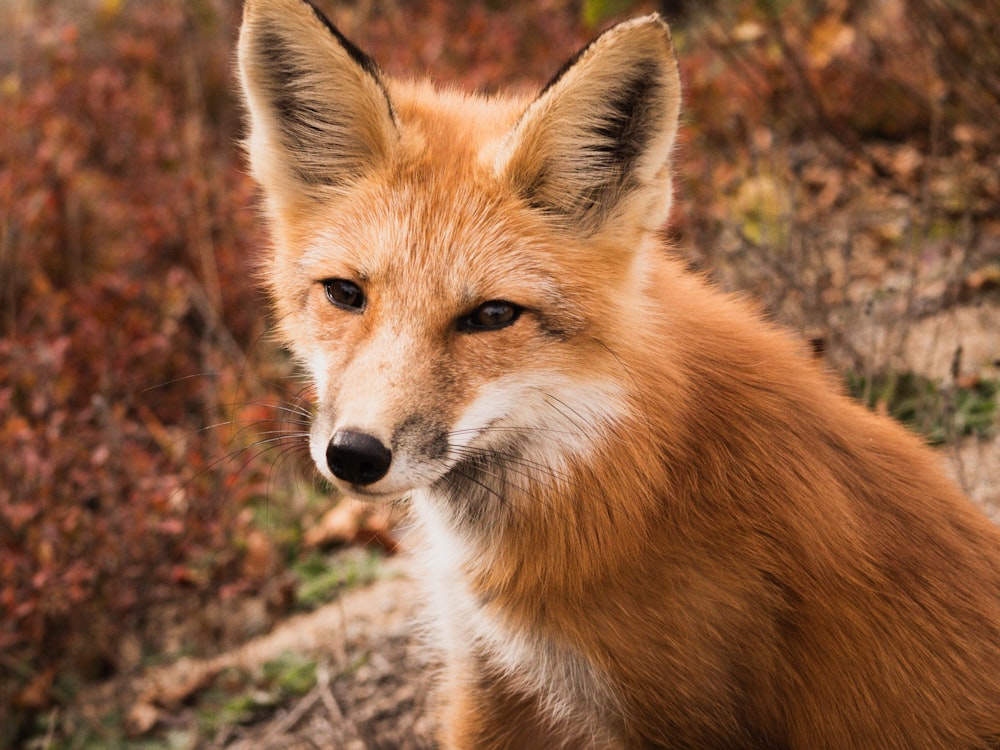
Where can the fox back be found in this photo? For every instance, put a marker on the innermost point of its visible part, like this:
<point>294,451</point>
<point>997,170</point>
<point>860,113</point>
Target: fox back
<point>649,519</point>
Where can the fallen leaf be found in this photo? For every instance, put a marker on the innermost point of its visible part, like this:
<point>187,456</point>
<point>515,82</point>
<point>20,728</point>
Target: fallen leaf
<point>173,687</point>
<point>830,39</point>
<point>355,522</point>
<point>36,693</point>
<point>748,31</point>
<point>261,558</point>
<point>987,277</point>
<point>142,718</point>
<point>339,525</point>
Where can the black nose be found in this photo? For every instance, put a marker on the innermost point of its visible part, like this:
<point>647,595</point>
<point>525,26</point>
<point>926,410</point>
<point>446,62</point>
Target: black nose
<point>357,457</point>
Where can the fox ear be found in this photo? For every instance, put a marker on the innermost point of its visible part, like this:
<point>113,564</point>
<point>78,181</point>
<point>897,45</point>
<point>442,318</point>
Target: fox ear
<point>596,143</point>
<point>320,115</point>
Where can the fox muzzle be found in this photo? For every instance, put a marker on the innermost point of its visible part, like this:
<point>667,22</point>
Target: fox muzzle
<point>357,457</point>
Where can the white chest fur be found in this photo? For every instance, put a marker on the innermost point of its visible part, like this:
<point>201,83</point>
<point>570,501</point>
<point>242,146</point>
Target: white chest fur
<point>569,688</point>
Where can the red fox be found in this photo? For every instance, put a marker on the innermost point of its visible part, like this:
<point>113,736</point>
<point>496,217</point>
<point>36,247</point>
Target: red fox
<point>651,520</point>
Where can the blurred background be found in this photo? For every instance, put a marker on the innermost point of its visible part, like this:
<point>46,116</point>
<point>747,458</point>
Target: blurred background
<point>839,162</point>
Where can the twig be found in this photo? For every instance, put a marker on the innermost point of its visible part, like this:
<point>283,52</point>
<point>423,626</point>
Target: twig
<point>298,711</point>
<point>350,733</point>
<point>50,732</point>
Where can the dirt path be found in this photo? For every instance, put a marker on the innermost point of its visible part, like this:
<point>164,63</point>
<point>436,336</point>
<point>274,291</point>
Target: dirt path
<point>372,681</point>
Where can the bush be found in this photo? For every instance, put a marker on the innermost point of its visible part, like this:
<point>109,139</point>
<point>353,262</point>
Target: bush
<point>128,316</point>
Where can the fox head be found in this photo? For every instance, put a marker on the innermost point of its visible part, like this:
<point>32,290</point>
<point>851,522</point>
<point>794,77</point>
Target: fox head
<point>457,273</point>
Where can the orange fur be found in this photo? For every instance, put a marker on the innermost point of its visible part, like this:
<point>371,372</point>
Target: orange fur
<point>651,520</point>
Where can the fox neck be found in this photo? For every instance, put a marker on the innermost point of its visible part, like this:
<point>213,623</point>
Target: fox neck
<point>512,528</point>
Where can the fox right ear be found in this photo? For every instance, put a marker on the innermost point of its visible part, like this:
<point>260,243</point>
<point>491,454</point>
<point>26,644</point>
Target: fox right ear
<point>593,150</point>
<point>320,114</point>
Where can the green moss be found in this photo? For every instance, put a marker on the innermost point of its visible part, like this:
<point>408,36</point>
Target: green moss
<point>322,578</point>
<point>940,413</point>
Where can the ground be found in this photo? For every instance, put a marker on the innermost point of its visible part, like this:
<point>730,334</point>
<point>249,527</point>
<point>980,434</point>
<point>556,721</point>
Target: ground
<point>373,676</point>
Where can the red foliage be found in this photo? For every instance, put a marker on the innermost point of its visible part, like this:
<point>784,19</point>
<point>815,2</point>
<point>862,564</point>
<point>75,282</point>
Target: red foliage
<point>125,311</point>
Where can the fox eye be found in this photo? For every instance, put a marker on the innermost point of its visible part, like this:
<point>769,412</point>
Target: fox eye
<point>490,316</point>
<point>344,294</point>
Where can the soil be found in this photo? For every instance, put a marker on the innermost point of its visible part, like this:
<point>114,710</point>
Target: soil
<point>374,678</point>
<point>372,688</point>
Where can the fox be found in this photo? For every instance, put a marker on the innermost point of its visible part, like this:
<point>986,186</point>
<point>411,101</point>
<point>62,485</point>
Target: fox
<point>650,518</point>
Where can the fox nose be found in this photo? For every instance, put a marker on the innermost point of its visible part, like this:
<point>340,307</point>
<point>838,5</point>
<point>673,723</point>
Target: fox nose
<point>357,457</point>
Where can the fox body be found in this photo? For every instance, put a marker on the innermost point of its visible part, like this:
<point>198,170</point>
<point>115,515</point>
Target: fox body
<point>650,519</point>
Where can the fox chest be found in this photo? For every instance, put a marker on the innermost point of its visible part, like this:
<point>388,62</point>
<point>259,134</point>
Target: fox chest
<point>565,681</point>
<point>568,688</point>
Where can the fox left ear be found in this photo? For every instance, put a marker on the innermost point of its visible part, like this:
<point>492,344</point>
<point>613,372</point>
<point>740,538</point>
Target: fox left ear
<point>320,114</point>
<point>596,143</point>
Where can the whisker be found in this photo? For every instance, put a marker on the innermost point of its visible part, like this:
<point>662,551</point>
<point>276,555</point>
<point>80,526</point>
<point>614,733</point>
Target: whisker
<point>509,465</point>
<point>507,428</point>
<point>451,478</point>
<point>283,443</point>
<point>636,390</point>
<point>521,465</point>
<point>287,452</point>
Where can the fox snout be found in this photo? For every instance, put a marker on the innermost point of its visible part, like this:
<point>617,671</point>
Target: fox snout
<point>357,457</point>
<point>375,455</point>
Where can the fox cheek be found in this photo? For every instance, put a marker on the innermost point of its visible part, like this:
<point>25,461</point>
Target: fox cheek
<point>319,369</point>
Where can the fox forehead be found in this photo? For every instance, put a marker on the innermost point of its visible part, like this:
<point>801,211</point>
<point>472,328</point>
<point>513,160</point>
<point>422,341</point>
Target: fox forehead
<point>438,222</point>
<point>426,237</point>
<point>447,126</point>
<point>434,200</point>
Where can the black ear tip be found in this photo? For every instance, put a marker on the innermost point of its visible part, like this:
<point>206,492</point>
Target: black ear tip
<point>319,104</point>
<point>365,61</point>
<point>354,52</point>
